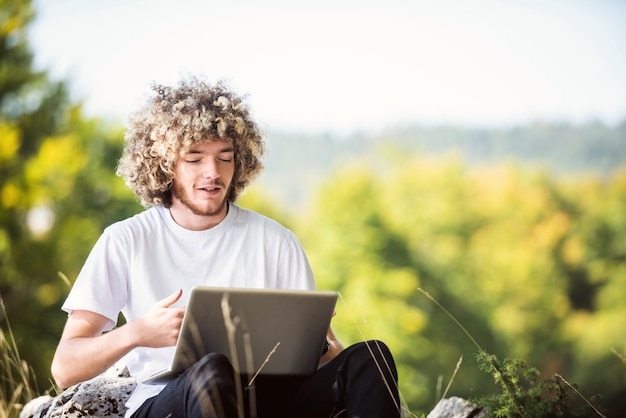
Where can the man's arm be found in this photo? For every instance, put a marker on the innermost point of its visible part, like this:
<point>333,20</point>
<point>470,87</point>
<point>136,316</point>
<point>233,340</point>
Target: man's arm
<point>85,351</point>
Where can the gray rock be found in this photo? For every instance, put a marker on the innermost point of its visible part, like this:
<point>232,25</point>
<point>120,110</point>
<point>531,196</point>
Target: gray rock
<point>102,396</point>
<point>31,407</point>
<point>455,407</point>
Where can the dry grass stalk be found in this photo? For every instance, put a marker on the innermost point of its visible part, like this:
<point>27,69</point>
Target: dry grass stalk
<point>16,376</point>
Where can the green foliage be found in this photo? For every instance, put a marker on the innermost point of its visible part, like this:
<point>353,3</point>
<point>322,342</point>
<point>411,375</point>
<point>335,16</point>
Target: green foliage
<point>58,190</point>
<point>533,270</point>
<point>524,395</point>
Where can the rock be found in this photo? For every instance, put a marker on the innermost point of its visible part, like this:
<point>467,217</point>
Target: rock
<point>31,407</point>
<point>455,407</point>
<point>102,396</point>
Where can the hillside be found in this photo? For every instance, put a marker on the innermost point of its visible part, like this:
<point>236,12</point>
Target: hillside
<point>297,163</point>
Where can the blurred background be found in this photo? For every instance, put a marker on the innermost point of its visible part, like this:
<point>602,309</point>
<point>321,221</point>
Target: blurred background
<point>474,150</point>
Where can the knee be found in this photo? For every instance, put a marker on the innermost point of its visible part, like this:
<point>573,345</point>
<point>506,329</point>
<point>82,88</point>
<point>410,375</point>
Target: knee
<point>373,349</point>
<point>213,366</point>
<point>376,354</point>
<point>214,361</point>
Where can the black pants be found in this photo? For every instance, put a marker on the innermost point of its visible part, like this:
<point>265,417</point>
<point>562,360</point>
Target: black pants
<point>360,382</point>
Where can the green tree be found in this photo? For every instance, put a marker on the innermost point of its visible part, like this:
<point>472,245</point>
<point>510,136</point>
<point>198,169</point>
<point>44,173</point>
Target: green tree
<point>57,190</point>
<point>355,248</point>
<point>528,267</point>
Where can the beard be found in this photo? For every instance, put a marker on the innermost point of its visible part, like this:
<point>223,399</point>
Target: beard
<point>180,193</point>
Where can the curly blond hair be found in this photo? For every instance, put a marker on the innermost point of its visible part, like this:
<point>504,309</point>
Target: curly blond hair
<point>174,119</point>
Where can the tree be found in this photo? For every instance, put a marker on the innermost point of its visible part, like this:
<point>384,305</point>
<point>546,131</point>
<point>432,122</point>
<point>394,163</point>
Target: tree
<point>531,270</point>
<point>57,190</point>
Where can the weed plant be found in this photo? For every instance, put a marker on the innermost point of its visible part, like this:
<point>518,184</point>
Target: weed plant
<point>524,394</point>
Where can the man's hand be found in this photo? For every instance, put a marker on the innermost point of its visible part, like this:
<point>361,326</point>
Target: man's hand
<point>86,351</point>
<point>161,324</point>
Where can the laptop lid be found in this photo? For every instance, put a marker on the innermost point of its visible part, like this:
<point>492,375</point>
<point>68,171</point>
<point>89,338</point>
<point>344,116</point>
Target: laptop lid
<point>261,331</point>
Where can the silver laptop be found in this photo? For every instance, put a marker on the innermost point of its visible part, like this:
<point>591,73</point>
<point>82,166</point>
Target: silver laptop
<point>261,331</point>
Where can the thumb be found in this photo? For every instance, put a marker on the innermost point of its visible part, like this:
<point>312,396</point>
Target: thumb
<point>170,300</point>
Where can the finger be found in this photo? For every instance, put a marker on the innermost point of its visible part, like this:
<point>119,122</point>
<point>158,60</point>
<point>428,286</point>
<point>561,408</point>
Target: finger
<point>170,300</point>
<point>179,311</point>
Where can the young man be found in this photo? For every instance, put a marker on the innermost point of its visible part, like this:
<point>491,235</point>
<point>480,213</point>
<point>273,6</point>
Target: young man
<point>190,151</point>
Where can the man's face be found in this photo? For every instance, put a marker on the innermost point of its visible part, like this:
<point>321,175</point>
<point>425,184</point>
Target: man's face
<point>202,179</point>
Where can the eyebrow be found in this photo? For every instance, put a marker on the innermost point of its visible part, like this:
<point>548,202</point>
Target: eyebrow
<point>222,151</point>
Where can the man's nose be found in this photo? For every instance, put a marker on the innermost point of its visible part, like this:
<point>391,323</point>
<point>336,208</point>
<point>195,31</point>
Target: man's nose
<point>210,170</point>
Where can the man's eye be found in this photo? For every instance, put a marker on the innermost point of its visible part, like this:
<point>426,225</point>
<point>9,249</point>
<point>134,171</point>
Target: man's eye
<point>192,161</point>
<point>225,160</point>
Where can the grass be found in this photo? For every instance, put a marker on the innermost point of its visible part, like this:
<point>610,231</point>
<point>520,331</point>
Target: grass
<point>17,379</point>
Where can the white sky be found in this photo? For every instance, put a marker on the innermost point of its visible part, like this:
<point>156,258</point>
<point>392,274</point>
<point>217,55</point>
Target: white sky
<point>346,65</point>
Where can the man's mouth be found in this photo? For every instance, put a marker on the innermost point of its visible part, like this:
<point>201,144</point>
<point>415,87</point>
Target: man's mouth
<point>211,188</point>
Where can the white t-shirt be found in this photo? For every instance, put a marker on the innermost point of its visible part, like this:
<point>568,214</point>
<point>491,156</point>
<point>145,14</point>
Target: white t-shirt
<point>141,260</point>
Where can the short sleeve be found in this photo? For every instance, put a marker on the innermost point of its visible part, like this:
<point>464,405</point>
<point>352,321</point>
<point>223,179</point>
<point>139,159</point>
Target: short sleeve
<point>102,284</point>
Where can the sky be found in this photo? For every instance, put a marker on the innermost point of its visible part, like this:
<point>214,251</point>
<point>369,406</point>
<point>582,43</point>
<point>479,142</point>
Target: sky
<point>346,65</point>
